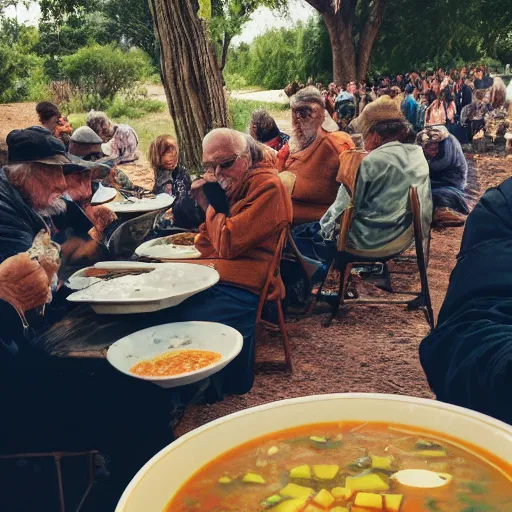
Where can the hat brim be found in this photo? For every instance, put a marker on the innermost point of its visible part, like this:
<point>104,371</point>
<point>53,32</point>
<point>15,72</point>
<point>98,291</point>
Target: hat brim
<point>73,168</point>
<point>52,160</point>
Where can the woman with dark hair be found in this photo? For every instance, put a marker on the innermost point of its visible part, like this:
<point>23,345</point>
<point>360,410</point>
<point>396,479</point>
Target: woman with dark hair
<point>264,129</point>
<point>49,115</point>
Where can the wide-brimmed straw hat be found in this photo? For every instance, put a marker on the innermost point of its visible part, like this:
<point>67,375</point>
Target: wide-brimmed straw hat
<point>382,109</point>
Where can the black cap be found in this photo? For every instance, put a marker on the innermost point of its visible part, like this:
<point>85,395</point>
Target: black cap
<point>36,144</point>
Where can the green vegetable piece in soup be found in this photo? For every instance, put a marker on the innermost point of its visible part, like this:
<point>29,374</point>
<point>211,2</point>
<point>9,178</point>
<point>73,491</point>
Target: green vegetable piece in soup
<point>253,478</point>
<point>271,501</point>
<point>290,505</point>
<point>224,480</point>
<point>422,444</point>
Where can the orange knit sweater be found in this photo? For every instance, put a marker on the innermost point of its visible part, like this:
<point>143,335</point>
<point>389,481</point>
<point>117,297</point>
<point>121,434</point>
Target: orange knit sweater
<point>316,168</point>
<point>240,247</point>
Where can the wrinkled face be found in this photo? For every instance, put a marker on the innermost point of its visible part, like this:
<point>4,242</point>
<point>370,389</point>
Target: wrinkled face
<point>479,75</point>
<point>227,159</point>
<point>44,186</point>
<point>307,118</point>
<point>105,131</point>
<point>79,185</point>
<point>170,159</point>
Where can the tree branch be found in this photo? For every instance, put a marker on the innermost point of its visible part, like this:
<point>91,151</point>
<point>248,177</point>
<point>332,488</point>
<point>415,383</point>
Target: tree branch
<point>322,6</point>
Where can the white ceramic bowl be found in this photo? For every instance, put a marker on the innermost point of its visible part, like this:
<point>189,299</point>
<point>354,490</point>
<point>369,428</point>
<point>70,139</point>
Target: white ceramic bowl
<point>168,286</point>
<point>151,342</point>
<point>155,484</point>
<point>160,251</point>
<point>146,204</point>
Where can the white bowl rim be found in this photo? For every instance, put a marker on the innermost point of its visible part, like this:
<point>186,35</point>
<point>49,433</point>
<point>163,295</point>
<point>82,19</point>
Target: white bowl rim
<point>214,279</point>
<point>310,398</point>
<point>237,347</point>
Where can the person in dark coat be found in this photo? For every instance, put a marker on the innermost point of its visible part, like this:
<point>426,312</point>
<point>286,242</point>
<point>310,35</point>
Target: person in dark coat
<point>448,174</point>
<point>468,357</point>
<point>53,404</point>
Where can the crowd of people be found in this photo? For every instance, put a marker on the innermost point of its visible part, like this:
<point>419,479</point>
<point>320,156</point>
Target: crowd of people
<point>253,186</point>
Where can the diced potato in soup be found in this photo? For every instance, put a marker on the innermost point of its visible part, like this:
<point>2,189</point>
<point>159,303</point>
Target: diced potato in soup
<point>349,467</point>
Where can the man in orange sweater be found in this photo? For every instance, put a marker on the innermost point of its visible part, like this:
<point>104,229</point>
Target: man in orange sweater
<point>247,207</point>
<point>313,156</point>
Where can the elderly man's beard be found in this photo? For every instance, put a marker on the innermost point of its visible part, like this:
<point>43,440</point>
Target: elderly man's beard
<point>303,135</point>
<point>56,207</point>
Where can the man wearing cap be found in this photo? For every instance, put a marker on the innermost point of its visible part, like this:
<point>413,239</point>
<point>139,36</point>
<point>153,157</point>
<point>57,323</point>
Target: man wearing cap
<point>385,174</point>
<point>57,404</point>
<point>312,155</point>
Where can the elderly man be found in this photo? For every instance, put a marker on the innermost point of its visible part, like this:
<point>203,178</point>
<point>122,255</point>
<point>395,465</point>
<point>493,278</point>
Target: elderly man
<point>312,155</point>
<point>384,177</point>
<point>67,398</point>
<point>247,207</point>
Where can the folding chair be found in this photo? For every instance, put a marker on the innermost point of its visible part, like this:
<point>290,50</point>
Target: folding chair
<point>57,457</point>
<point>273,273</point>
<point>347,258</point>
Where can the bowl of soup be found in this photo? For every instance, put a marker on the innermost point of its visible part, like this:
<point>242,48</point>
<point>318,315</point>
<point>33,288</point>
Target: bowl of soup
<point>335,453</point>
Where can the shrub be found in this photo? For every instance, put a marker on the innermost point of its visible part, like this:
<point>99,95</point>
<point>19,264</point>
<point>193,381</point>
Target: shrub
<point>103,71</point>
<point>240,111</point>
<point>235,82</point>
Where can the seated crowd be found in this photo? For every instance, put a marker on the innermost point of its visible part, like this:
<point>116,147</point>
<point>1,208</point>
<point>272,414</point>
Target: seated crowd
<point>252,188</point>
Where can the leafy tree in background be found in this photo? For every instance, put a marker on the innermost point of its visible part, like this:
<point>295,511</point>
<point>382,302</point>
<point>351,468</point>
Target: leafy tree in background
<point>228,18</point>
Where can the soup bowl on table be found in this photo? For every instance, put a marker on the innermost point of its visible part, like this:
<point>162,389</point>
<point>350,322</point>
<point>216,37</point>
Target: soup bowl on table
<point>339,452</point>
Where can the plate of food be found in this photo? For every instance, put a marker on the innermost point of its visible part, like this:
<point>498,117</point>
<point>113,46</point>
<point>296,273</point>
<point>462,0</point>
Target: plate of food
<point>359,452</point>
<point>179,246</point>
<point>146,204</point>
<point>176,354</point>
<point>125,287</point>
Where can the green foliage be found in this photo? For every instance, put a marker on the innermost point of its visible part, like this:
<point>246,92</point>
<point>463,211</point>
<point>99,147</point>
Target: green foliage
<point>22,74</point>
<point>450,34</point>
<point>103,71</point>
<point>235,82</point>
<point>281,55</point>
<point>240,111</point>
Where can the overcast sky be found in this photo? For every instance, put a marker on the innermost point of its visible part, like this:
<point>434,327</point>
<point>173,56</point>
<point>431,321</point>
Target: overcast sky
<point>262,20</point>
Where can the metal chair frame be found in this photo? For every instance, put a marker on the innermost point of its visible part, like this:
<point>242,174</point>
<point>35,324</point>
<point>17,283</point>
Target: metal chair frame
<point>57,457</point>
<point>422,246</point>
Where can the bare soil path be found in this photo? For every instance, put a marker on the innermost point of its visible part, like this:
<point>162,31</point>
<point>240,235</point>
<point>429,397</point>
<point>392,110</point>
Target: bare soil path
<point>368,349</point>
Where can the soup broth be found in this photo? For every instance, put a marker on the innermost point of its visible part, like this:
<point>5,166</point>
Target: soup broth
<point>349,467</point>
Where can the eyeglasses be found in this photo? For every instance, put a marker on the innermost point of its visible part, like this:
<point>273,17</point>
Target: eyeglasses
<point>302,112</point>
<point>226,164</point>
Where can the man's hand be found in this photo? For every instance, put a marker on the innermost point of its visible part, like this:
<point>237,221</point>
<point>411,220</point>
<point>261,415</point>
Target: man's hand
<point>197,192</point>
<point>24,283</point>
<point>101,216</point>
<point>216,197</point>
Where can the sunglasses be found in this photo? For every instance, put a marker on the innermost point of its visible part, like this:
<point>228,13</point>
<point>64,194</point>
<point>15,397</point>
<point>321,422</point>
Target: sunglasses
<point>226,164</point>
<point>302,112</point>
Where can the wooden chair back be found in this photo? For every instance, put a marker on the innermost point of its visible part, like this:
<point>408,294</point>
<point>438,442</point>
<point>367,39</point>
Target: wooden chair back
<point>273,269</point>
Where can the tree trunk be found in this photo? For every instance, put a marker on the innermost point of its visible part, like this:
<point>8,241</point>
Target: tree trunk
<point>191,75</point>
<point>368,36</point>
<point>350,61</point>
<point>225,48</point>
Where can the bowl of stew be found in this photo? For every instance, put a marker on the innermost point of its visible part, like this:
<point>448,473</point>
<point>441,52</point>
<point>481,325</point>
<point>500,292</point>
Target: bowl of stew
<point>336,453</point>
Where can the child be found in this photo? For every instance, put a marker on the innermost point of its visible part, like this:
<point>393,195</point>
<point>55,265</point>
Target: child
<point>173,179</point>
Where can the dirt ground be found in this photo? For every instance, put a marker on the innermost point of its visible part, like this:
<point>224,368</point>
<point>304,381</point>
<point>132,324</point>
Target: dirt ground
<point>367,348</point>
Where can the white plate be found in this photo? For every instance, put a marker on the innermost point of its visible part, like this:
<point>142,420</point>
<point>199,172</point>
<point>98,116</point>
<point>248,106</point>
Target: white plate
<point>103,195</point>
<point>156,483</point>
<point>151,342</point>
<point>158,250</point>
<point>134,205</point>
<point>167,286</point>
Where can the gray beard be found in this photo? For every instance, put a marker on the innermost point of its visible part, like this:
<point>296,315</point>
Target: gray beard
<point>57,207</point>
<point>301,139</point>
